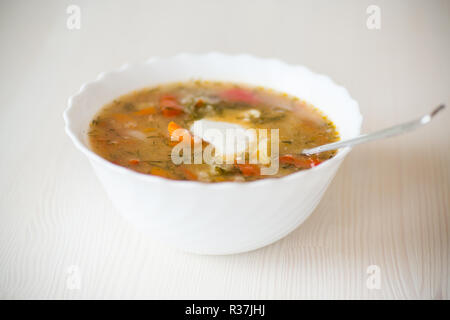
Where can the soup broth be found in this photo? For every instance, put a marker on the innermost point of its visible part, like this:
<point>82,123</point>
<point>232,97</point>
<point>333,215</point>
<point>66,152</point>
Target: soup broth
<point>136,130</point>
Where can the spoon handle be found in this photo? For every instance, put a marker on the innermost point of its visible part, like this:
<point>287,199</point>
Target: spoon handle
<point>385,133</point>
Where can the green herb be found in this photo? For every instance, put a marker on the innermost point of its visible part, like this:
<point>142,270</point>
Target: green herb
<point>129,107</point>
<point>219,170</point>
<point>153,90</point>
<point>271,116</point>
<point>266,119</point>
<point>224,172</point>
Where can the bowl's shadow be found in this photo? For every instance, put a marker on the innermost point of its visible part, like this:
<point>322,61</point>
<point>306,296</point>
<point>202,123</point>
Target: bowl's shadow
<point>374,212</point>
<point>374,191</point>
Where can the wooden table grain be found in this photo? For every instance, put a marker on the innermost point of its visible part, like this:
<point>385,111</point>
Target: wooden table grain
<point>385,215</point>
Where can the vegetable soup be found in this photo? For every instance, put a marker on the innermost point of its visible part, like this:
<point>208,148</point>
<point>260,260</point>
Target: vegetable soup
<point>141,130</point>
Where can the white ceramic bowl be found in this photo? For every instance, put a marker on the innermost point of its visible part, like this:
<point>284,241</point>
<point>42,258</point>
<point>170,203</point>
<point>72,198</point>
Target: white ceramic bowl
<point>218,218</point>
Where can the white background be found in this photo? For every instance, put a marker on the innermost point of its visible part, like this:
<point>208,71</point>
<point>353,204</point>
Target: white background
<point>387,206</point>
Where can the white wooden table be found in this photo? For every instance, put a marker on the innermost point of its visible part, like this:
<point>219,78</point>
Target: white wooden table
<point>388,206</point>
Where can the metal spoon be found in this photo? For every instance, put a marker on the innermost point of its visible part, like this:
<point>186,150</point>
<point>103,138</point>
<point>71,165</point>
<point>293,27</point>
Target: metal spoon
<point>385,133</point>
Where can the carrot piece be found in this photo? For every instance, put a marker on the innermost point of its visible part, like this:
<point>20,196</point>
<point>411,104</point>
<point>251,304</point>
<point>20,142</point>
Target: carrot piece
<point>159,172</point>
<point>173,126</point>
<point>189,174</point>
<point>122,117</point>
<point>287,159</point>
<point>315,162</point>
<point>249,169</point>
<point>145,112</point>
<point>133,161</point>
<point>169,106</point>
<point>303,162</point>
<point>168,101</point>
<point>238,94</point>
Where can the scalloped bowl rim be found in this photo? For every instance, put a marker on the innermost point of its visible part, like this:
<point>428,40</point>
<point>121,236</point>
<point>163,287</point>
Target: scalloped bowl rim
<point>190,184</point>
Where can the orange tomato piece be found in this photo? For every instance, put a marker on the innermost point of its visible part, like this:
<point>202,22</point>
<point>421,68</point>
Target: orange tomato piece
<point>302,162</point>
<point>249,170</point>
<point>239,95</point>
<point>145,112</point>
<point>170,106</point>
<point>170,112</point>
<point>133,161</point>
